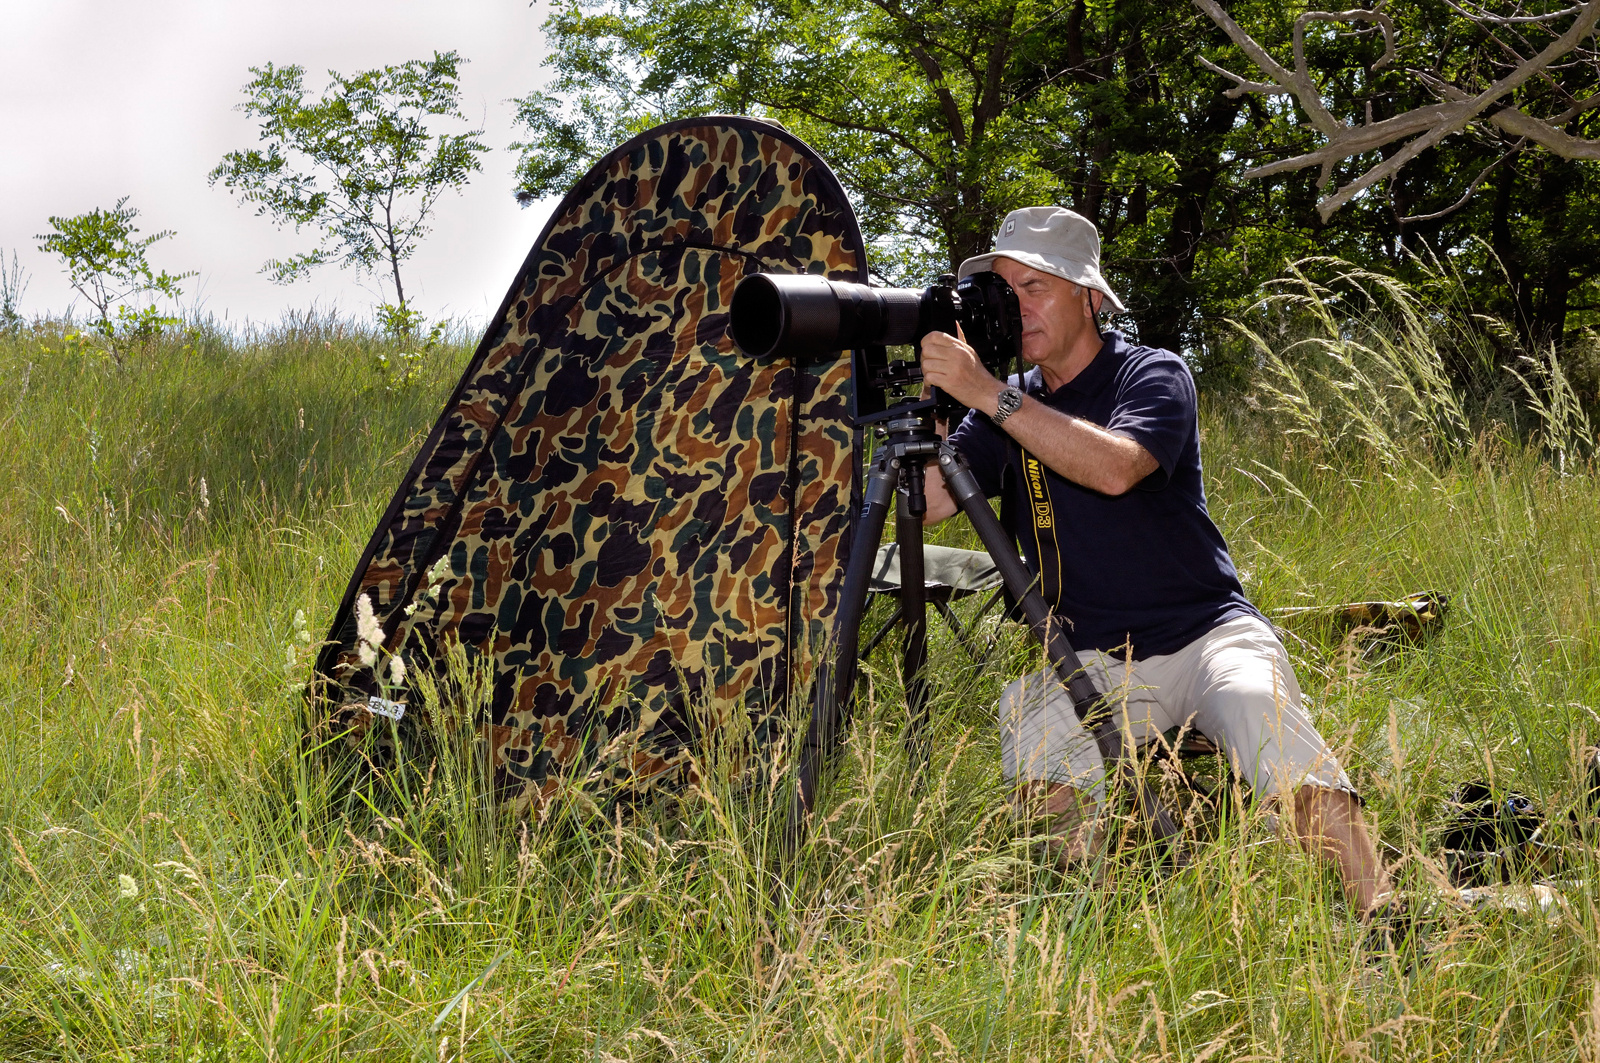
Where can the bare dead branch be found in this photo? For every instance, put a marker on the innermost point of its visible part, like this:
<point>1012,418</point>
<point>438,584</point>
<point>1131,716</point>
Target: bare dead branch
<point>1296,83</point>
<point>1375,16</point>
<point>1360,139</point>
<point>1516,20</point>
<point>1472,188</point>
<point>1385,169</point>
<point>1545,133</point>
<point>1422,127</point>
<point>1576,109</point>
<point>1556,141</point>
<point>1244,84</point>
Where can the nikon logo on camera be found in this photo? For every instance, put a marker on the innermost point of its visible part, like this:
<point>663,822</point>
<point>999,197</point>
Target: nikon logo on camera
<point>1037,496</point>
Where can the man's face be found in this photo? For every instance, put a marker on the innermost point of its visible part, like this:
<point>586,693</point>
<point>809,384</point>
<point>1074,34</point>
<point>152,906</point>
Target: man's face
<point>1055,313</point>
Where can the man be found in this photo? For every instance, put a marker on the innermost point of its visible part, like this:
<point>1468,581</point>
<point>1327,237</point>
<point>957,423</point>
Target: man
<point>1096,454</point>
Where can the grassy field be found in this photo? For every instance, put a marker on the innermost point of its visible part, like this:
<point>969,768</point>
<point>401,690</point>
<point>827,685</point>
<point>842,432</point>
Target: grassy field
<point>178,883</point>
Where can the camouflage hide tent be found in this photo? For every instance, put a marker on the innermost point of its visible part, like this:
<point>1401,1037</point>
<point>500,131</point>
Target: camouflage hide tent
<point>636,528</point>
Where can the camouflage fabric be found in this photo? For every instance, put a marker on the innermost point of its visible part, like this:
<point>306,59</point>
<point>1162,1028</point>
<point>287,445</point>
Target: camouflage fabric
<point>619,512</point>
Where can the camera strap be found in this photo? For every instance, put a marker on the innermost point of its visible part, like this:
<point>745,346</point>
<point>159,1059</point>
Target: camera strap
<point>1041,525</point>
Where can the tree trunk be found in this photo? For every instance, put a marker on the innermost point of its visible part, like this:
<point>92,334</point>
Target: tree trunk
<point>969,230</point>
<point>1555,284</point>
<point>1505,248</point>
<point>399,290</point>
<point>1171,306</point>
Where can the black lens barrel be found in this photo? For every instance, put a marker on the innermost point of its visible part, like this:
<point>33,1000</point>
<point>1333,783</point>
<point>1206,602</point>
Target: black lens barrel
<point>803,316</point>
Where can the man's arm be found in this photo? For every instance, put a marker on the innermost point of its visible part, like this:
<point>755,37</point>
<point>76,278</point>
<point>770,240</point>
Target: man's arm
<point>1082,452</point>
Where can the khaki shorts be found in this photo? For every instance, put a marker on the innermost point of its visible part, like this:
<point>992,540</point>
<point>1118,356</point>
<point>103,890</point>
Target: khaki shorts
<point>1233,684</point>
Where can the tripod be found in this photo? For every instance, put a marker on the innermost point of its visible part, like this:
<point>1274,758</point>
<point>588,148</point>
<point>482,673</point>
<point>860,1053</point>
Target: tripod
<point>900,466</point>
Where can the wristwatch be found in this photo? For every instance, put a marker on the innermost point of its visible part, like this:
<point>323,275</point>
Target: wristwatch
<point>1010,402</point>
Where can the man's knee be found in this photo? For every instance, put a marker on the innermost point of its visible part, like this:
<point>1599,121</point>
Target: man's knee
<point>1041,737</point>
<point>1270,740</point>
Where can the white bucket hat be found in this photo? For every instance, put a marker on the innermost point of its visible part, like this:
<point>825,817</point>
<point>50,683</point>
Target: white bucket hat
<point>1052,240</point>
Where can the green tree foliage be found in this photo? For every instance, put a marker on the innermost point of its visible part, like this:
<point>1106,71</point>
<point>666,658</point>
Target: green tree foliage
<point>939,117</point>
<point>362,162</point>
<point>105,262</point>
<point>1517,219</point>
<point>918,106</point>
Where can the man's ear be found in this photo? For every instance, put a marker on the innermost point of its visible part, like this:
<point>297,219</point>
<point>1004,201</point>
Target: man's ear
<point>1096,297</point>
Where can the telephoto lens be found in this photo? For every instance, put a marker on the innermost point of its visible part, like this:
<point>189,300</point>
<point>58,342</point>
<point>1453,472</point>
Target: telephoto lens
<point>801,317</point>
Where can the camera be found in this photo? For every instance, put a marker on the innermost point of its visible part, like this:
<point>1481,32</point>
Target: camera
<point>802,317</point>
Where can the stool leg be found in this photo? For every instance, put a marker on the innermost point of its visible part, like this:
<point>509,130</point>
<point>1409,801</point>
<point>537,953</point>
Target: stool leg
<point>882,632</point>
<point>957,628</point>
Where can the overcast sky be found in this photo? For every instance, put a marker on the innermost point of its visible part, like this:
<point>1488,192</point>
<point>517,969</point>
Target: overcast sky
<point>107,98</point>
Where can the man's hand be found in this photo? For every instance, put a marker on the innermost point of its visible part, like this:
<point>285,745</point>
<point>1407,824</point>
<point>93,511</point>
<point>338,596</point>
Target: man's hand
<point>949,363</point>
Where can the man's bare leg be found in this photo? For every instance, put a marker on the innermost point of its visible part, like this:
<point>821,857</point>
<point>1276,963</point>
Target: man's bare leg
<point>1069,818</point>
<point>1329,823</point>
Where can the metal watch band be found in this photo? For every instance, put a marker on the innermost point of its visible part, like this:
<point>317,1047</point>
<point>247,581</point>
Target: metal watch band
<point>1010,402</point>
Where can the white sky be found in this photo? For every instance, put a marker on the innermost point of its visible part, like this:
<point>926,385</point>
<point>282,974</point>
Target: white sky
<point>107,98</point>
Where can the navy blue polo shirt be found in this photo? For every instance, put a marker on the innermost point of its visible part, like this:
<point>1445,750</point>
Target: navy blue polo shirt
<point>1147,567</point>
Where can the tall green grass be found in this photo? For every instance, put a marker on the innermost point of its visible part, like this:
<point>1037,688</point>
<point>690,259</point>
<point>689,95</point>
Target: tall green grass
<point>179,882</point>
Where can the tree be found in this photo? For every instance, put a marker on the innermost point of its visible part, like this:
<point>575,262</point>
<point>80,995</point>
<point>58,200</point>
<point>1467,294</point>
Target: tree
<point>918,105</point>
<point>939,117</point>
<point>106,264</point>
<point>361,162</point>
<point>1409,117</point>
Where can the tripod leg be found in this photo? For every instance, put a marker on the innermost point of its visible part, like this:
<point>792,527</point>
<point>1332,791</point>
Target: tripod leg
<point>1020,582</point>
<point>835,679</point>
<point>914,614</point>
<point>1090,705</point>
